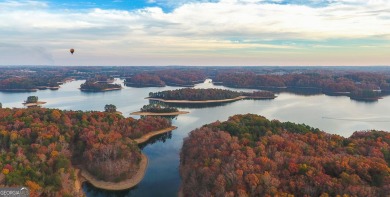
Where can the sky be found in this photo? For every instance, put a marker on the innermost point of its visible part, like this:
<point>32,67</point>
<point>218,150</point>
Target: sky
<point>195,32</point>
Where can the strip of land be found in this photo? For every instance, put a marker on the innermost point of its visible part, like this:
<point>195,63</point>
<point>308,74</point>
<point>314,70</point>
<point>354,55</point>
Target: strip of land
<point>19,90</point>
<point>260,97</point>
<point>140,113</point>
<point>123,185</point>
<point>34,104</point>
<point>195,102</point>
<point>147,136</point>
<point>102,90</point>
<point>84,175</point>
<point>209,101</point>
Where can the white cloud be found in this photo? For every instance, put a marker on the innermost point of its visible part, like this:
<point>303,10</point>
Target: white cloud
<point>197,28</point>
<point>22,4</point>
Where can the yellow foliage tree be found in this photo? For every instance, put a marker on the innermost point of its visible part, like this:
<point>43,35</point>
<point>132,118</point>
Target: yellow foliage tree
<point>5,171</point>
<point>14,136</point>
<point>54,153</point>
<point>32,185</point>
<point>3,132</point>
<point>56,115</point>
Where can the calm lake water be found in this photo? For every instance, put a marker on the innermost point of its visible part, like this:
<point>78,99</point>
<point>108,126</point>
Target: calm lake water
<point>338,115</point>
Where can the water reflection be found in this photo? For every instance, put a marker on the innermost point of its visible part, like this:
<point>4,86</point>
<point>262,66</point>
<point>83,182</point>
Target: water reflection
<point>365,100</point>
<point>158,138</point>
<point>304,91</point>
<point>96,192</point>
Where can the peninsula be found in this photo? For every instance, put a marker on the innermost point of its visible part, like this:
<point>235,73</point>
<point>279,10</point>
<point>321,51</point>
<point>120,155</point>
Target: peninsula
<point>149,135</point>
<point>118,186</point>
<point>65,141</point>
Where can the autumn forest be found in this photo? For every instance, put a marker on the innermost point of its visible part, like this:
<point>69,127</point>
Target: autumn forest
<point>222,133</point>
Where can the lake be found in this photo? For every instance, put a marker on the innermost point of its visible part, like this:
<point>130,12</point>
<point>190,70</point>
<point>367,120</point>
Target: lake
<point>333,114</point>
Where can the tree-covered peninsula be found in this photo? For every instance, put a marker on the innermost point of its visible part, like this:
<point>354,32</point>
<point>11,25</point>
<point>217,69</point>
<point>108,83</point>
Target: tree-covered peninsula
<point>249,155</point>
<point>40,148</point>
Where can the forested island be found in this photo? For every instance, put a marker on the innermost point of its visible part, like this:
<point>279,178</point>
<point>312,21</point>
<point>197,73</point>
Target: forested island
<point>212,95</point>
<point>32,101</point>
<point>96,86</point>
<point>159,109</point>
<point>249,155</point>
<point>44,148</point>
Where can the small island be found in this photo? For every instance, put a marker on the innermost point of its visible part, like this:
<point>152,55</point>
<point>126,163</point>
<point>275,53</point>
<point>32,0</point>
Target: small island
<point>32,101</point>
<point>100,83</point>
<point>95,86</point>
<point>158,110</point>
<point>204,96</point>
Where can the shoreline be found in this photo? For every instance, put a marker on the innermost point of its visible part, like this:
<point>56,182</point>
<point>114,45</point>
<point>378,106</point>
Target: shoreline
<point>34,104</point>
<point>260,97</point>
<point>143,85</point>
<point>365,98</point>
<point>85,176</point>
<point>149,135</point>
<point>19,90</point>
<point>210,101</point>
<point>103,90</point>
<point>139,113</point>
<point>197,102</point>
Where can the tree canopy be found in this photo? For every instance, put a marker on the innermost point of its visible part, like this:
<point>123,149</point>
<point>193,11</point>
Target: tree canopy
<point>38,147</point>
<point>32,99</point>
<point>110,108</point>
<point>249,155</point>
<point>158,108</point>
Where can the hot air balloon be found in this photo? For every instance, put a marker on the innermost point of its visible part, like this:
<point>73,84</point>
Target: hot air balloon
<point>71,51</point>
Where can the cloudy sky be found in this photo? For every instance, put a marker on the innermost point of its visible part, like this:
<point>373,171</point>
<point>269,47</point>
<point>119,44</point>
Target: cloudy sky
<point>195,32</point>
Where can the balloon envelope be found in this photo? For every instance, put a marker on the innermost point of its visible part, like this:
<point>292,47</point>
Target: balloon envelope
<point>71,51</point>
